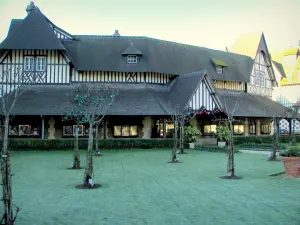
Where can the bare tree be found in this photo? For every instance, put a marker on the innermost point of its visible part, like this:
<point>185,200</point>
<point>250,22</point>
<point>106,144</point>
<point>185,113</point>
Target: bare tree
<point>94,102</point>
<point>13,85</point>
<point>180,117</point>
<point>74,114</point>
<point>230,118</point>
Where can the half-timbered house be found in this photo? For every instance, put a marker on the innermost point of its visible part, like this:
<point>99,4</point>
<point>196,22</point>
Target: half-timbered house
<point>149,74</point>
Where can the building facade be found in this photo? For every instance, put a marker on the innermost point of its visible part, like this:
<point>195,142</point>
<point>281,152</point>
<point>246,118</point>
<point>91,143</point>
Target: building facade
<point>151,75</point>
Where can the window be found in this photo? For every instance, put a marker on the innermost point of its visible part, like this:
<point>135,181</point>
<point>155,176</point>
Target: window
<point>220,69</point>
<point>210,129</point>
<point>80,130</point>
<point>24,130</point>
<point>131,59</point>
<point>252,129</point>
<point>28,63</point>
<point>260,71</point>
<point>70,130</point>
<point>125,131</point>
<point>265,129</point>
<point>238,129</point>
<point>41,63</point>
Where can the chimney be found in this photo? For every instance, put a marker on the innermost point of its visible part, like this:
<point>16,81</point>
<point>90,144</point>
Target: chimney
<point>116,34</point>
<point>30,7</point>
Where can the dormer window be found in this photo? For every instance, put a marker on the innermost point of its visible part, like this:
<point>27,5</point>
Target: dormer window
<point>132,54</point>
<point>132,59</point>
<point>219,65</point>
<point>220,70</point>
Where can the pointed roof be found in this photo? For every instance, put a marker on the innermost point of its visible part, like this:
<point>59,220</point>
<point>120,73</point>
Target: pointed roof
<point>280,68</point>
<point>34,32</point>
<point>132,50</point>
<point>247,45</point>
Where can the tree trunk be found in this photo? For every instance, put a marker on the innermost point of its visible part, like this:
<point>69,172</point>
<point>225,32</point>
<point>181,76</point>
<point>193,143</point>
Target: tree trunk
<point>89,160</point>
<point>76,155</point>
<point>293,132</point>
<point>230,168</point>
<point>275,140</point>
<point>97,140</point>
<point>181,133</point>
<point>174,159</point>
<point>6,177</point>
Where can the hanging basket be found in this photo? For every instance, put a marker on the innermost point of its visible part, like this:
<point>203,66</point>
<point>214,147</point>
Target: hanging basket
<point>292,166</point>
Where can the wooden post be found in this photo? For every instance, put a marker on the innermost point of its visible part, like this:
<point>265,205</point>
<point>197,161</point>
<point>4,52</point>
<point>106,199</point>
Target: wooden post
<point>43,128</point>
<point>105,128</point>
<point>164,128</point>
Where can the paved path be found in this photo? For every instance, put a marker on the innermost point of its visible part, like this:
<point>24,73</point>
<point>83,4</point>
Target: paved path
<point>258,152</point>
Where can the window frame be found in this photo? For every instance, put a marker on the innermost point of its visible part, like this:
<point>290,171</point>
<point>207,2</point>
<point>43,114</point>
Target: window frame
<point>210,128</point>
<point>219,69</point>
<point>252,126</point>
<point>25,63</point>
<point>37,64</point>
<point>122,134</point>
<point>239,125</point>
<point>132,59</point>
<point>262,130</point>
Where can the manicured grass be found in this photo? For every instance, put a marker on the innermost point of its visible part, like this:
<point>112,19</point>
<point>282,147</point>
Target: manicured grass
<point>139,187</point>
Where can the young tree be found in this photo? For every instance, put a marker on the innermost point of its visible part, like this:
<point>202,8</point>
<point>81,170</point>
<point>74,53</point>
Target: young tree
<point>230,113</point>
<point>75,114</point>
<point>13,85</point>
<point>179,117</point>
<point>94,102</point>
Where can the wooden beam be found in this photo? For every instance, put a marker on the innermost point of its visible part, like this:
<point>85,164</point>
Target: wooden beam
<point>164,128</point>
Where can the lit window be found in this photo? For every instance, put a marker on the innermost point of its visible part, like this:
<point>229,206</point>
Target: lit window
<point>252,128</point>
<point>125,131</point>
<point>210,129</point>
<point>41,64</point>
<point>219,69</point>
<point>265,129</point>
<point>131,59</point>
<point>28,63</point>
<point>238,129</point>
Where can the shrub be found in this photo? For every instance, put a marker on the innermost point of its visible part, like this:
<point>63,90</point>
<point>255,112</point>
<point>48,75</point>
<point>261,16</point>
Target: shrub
<point>213,148</point>
<point>260,146</point>
<point>292,152</point>
<point>191,134</point>
<point>262,139</point>
<point>223,133</point>
<point>65,144</point>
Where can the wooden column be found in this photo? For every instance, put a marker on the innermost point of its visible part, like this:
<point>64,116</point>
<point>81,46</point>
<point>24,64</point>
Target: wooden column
<point>105,128</point>
<point>43,128</point>
<point>164,127</point>
<point>257,127</point>
<point>290,126</point>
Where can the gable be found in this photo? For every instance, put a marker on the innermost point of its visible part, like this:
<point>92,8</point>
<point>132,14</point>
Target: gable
<point>33,33</point>
<point>204,96</point>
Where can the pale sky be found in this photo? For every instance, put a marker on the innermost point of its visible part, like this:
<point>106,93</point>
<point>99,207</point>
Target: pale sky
<point>214,24</point>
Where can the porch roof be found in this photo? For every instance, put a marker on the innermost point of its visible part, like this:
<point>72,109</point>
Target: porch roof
<point>250,105</point>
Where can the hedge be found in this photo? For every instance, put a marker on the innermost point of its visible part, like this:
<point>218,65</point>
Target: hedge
<point>260,146</point>
<point>209,148</point>
<point>262,139</point>
<point>66,144</point>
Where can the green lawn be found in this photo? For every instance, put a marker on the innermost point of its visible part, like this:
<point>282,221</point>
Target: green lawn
<point>139,187</point>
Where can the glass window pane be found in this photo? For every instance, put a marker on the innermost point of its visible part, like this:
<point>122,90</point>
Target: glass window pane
<point>125,131</point>
<point>213,128</point>
<point>133,130</point>
<point>67,130</point>
<point>117,130</point>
